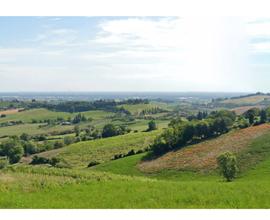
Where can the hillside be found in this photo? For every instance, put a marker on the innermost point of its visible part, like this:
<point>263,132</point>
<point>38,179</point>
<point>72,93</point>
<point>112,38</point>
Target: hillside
<point>43,114</point>
<point>202,156</point>
<point>101,150</point>
<point>252,100</point>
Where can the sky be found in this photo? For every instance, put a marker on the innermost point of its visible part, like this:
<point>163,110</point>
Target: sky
<point>228,54</point>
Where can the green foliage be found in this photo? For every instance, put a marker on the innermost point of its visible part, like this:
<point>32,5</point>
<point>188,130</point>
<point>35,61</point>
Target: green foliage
<point>263,116</point>
<point>58,144</point>
<point>25,137</point>
<point>228,165</point>
<point>29,148</point>
<point>42,160</point>
<point>77,130</point>
<point>93,163</point>
<point>251,114</point>
<point>69,140</point>
<point>152,125</point>
<point>181,133</point>
<point>13,149</point>
<point>110,130</point>
<point>79,118</point>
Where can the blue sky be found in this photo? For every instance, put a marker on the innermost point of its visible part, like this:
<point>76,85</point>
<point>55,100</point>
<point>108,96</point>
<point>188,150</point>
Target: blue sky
<point>134,54</point>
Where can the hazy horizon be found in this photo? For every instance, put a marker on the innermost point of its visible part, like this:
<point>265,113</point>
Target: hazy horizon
<point>166,54</point>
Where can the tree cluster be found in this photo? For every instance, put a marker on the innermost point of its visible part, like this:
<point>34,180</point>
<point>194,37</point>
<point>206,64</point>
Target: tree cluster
<point>110,130</point>
<point>181,133</point>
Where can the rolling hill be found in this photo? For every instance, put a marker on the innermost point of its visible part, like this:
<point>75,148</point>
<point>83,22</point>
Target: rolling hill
<point>202,156</point>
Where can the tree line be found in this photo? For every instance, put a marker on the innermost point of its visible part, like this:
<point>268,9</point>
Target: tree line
<point>180,133</point>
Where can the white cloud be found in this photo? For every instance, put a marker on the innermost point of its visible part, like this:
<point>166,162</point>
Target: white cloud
<point>191,53</point>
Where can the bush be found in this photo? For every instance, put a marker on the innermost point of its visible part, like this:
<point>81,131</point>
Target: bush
<point>39,160</point>
<point>227,164</point>
<point>139,152</point>
<point>152,125</point>
<point>43,160</point>
<point>53,161</point>
<point>58,144</point>
<point>25,137</point>
<point>29,148</point>
<point>69,140</point>
<point>117,156</point>
<point>93,163</point>
<point>131,152</point>
<point>109,130</point>
<point>12,149</point>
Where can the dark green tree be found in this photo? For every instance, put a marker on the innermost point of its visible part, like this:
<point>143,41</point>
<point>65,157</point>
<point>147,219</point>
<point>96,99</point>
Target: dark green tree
<point>227,164</point>
<point>152,125</point>
<point>109,130</point>
<point>77,130</point>
<point>13,149</point>
<point>263,116</point>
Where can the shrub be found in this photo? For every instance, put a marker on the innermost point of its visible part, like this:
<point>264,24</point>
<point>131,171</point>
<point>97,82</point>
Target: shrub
<point>117,156</point>
<point>29,148</point>
<point>58,144</point>
<point>93,163</point>
<point>131,152</point>
<point>152,125</point>
<point>227,164</point>
<point>139,152</point>
<point>43,160</point>
<point>69,140</point>
<point>109,130</point>
<point>13,149</point>
<point>39,160</point>
<point>53,161</point>
<point>25,137</point>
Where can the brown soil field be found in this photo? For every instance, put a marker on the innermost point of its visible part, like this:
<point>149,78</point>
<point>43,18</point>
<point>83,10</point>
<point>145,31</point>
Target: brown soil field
<point>241,110</point>
<point>10,111</point>
<point>247,100</point>
<point>202,156</point>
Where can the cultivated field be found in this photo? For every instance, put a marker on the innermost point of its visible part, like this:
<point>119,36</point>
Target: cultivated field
<point>247,100</point>
<point>79,155</point>
<point>202,156</point>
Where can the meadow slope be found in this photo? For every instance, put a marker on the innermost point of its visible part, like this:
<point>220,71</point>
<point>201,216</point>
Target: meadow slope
<point>80,154</point>
<point>202,156</point>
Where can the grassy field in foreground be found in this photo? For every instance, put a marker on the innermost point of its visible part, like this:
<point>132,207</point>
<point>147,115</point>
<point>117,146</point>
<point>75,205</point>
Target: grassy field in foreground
<point>98,190</point>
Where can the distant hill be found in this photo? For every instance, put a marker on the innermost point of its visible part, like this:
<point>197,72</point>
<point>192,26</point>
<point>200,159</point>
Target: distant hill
<point>244,100</point>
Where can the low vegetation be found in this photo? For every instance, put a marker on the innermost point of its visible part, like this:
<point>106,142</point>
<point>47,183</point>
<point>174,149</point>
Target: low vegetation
<point>135,153</point>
